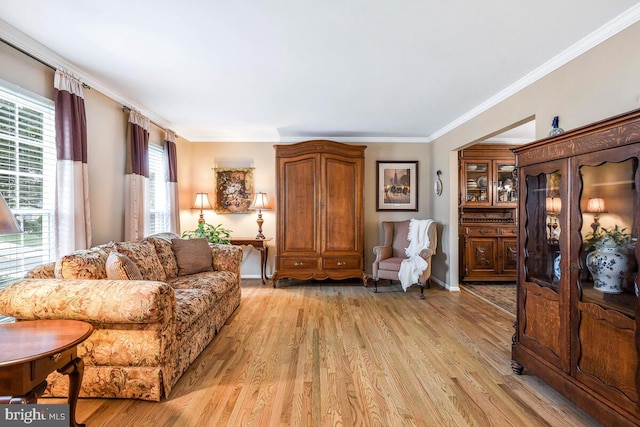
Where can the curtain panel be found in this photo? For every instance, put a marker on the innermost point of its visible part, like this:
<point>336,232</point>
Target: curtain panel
<point>73,219</point>
<point>136,176</point>
<point>173,217</point>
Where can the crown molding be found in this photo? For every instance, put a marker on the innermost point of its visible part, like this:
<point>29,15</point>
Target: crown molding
<point>611,28</point>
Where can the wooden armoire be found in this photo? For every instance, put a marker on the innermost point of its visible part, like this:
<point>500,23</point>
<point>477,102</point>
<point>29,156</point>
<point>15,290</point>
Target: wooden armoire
<point>320,217</point>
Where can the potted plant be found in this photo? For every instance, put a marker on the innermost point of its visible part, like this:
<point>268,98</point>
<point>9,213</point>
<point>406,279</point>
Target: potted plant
<point>213,233</point>
<point>611,260</point>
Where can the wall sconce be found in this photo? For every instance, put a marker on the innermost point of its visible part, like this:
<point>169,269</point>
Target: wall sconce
<point>596,206</point>
<point>202,202</point>
<point>260,203</point>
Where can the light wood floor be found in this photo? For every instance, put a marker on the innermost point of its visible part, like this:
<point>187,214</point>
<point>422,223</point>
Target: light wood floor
<point>336,354</point>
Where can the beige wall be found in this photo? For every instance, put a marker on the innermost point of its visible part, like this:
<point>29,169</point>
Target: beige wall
<point>600,83</point>
<point>206,156</point>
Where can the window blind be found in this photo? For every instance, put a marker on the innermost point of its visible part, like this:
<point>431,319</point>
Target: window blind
<point>27,179</point>
<point>158,202</point>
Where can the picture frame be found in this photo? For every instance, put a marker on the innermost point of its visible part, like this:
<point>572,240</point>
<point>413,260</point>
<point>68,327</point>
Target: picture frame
<point>396,185</point>
<point>234,190</point>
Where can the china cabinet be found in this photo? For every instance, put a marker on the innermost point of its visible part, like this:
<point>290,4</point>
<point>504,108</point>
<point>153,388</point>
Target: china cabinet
<point>487,206</point>
<point>320,217</point>
<point>579,207</point>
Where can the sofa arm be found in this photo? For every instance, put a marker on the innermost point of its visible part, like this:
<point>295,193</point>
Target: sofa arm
<point>226,257</point>
<point>97,301</point>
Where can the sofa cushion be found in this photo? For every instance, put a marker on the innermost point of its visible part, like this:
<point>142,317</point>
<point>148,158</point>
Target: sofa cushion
<point>120,267</point>
<point>192,256</point>
<point>144,256</point>
<point>162,242</point>
<point>190,305</point>
<point>82,264</point>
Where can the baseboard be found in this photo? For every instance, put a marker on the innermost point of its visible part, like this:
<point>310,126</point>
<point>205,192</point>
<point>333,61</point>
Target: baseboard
<point>446,286</point>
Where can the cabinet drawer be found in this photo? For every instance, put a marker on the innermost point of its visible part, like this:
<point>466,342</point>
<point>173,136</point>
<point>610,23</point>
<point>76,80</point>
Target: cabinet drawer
<point>490,231</point>
<point>299,263</point>
<point>336,263</point>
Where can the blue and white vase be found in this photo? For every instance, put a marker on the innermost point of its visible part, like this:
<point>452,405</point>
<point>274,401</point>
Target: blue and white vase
<point>609,264</point>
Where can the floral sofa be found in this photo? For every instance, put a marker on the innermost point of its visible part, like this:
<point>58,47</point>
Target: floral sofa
<point>146,332</point>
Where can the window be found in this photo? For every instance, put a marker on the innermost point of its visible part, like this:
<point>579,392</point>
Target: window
<point>158,202</point>
<point>27,179</point>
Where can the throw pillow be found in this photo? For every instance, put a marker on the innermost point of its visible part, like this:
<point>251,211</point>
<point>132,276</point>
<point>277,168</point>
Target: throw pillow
<point>120,267</point>
<point>144,256</point>
<point>192,255</point>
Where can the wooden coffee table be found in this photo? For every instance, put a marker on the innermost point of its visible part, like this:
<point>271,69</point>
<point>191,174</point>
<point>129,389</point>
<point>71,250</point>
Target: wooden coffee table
<point>31,350</point>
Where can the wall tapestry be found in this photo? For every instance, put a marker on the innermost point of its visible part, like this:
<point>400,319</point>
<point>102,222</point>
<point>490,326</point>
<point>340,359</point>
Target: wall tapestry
<point>234,190</point>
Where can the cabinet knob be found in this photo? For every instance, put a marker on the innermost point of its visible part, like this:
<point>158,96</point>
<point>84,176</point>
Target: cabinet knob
<point>341,263</point>
<point>297,264</point>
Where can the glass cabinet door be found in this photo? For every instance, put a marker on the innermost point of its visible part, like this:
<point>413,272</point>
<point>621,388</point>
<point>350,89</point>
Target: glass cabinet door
<point>506,183</point>
<point>543,206</point>
<point>609,206</point>
<point>543,292</point>
<point>476,188</point>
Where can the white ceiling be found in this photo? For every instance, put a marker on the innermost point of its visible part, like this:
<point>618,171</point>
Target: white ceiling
<point>275,70</point>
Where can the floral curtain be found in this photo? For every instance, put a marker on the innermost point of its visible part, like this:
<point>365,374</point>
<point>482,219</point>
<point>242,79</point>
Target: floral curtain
<point>136,176</point>
<point>73,219</point>
<point>172,218</point>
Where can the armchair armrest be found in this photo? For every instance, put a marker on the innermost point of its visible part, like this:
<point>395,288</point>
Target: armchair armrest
<point>96,301</point>
<point>426,253</point>
<point>382,253</point>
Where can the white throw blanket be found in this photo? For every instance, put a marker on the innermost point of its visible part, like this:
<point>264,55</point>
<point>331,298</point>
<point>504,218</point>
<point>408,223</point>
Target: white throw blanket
<point>412,267</point>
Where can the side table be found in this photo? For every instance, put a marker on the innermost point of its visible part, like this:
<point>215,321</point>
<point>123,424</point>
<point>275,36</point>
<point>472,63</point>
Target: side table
<point>30,350</point>
<point>259,244</point>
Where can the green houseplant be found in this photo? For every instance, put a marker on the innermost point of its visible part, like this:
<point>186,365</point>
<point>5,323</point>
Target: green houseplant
<point>213,233</point>
<point>615,236</point>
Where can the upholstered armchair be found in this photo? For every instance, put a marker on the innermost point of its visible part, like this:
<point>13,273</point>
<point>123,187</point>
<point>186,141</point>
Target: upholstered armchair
<point>390,255</point>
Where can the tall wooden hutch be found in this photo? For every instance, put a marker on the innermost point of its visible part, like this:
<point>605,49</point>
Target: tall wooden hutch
<point>577,327</point>
<point>320,224</point>
<point>488,201</point>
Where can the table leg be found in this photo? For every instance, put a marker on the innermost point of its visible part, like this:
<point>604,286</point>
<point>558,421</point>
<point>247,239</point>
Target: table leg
<point>264,264</point>
<point>75,370</point>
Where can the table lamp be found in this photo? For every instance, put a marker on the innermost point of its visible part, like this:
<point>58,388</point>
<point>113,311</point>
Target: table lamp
<point>596,206</point>
<point>260,203</point>
<point>202,202</point>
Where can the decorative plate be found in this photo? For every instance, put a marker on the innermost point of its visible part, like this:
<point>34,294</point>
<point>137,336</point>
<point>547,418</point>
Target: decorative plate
<point>482,181</point>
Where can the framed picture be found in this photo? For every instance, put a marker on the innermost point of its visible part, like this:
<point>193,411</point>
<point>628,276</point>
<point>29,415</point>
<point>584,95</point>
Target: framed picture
<point>397,186</point>
<point>234,190</point>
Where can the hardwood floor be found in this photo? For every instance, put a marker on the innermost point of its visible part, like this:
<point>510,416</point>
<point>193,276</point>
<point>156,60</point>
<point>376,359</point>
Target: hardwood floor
<point>336,354</point>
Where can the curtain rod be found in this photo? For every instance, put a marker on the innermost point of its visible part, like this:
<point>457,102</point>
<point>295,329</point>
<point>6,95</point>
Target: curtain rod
<point>125,108</point>
<point>35,58</point>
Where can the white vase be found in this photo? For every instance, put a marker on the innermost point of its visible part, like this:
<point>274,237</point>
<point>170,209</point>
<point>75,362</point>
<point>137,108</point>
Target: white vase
<point>609,264</point>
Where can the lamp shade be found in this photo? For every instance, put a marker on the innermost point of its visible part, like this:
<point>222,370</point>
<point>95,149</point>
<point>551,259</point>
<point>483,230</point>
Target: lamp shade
<point>202,201</point>
<point>260,202</point>
<point>8,223</point>
<point>554,204</point>
<point>596,205</point>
